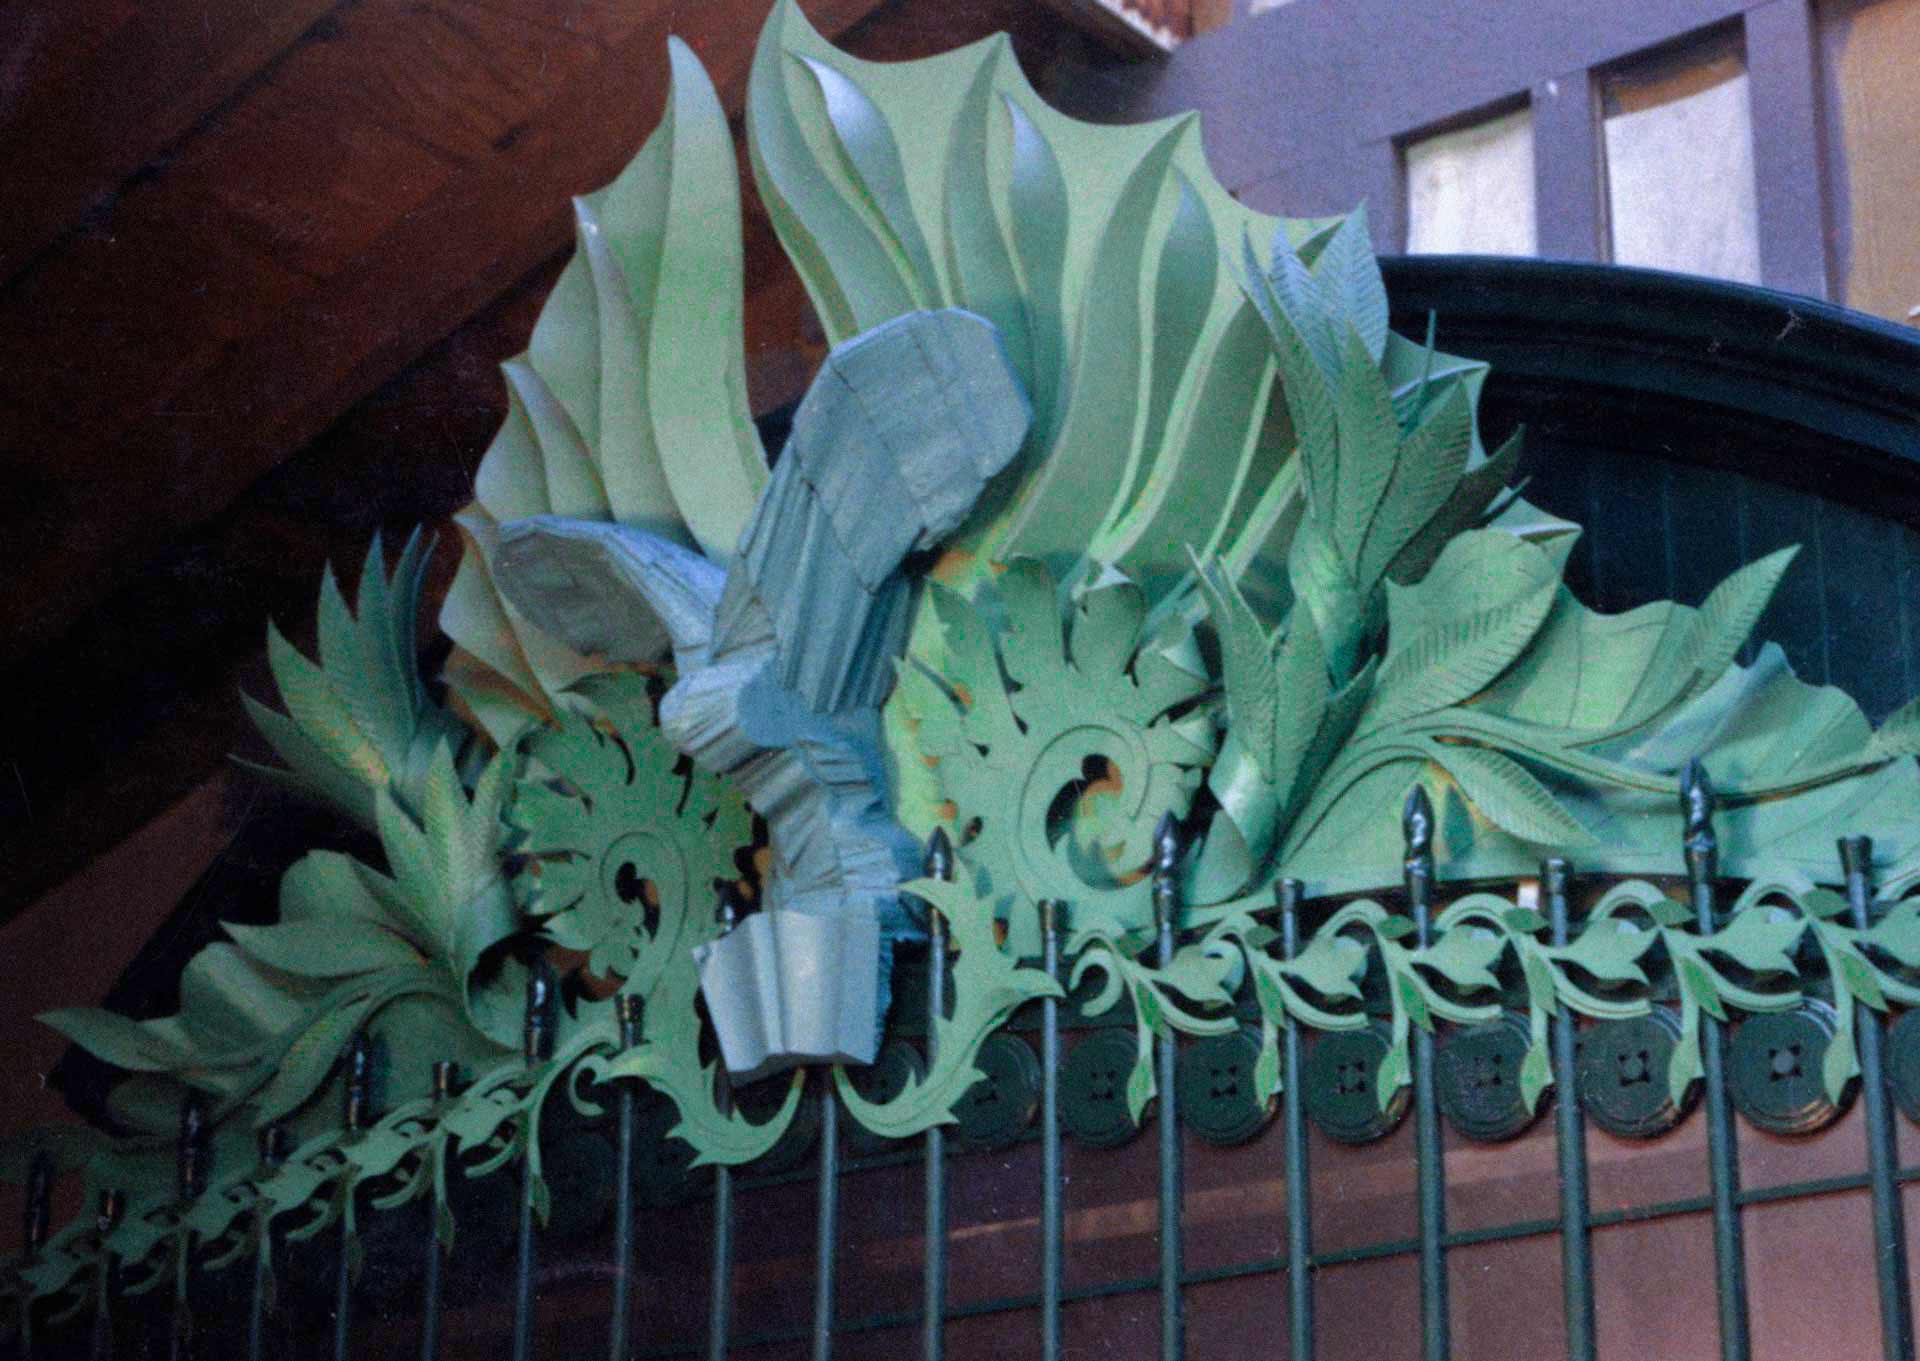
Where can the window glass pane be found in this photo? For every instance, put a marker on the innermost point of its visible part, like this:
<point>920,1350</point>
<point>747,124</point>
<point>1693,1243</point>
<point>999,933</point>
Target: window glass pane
<point>1870,53</point>
<point>1470,190</point>
<point>1679,148</point>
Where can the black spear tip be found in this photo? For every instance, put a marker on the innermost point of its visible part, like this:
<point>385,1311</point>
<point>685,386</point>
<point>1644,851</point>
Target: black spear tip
<point>39,1196</point>
<point>1287,894</point>
<point>1856,854</point>
<point>1697,799</point>
<point>273,1144</point>
<point>1166,844</point>
<point>1416,821</point>
<point>445,1074</point>
<point>626,1010</point>
<point>542,984</point>
<point>358,1096</point>
<point>1554,874</point>
<point>939,862</point>
<point>193,1130</point>
<point>113,1204</point>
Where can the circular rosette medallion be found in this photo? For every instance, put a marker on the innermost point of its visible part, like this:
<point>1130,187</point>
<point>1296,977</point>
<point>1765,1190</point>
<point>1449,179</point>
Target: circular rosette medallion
<point>625,839</point>
<point>1060,742</point>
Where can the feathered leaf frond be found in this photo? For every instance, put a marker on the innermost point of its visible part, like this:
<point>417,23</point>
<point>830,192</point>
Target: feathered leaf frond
<point>358,722</point>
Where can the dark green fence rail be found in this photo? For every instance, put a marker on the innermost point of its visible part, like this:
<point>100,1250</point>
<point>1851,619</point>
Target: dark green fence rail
<point>109,1330</point>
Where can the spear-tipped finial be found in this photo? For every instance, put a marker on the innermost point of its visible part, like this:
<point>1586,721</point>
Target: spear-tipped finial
<point>359,1093</point>
<point>191,1164</point>
<point>1555,873</point>
<point>39,1197</point>
<point>446,1075</point>
<point>537,1036</point>
<point>1166,844</point>
<point>1416,822</point>
<point>274,1139</point>
<point>1856,854</point>
<point>1697,799</point>
<point>113,1204</point>
<point>1166,863</point>
<point>626,1011</point>
<point>1697,802</point>
<point>726,910</point>
<point>939,862</point>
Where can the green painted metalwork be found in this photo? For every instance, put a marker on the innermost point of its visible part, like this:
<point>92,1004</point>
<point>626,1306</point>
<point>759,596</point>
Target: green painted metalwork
<point>1252,568</point>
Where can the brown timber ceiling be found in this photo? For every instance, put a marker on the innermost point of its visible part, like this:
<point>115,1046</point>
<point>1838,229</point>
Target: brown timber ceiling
<point>258,264</point>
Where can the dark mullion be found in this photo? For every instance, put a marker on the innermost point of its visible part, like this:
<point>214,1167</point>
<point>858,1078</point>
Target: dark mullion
<point>1569,189</point>
<point>1785,111</point>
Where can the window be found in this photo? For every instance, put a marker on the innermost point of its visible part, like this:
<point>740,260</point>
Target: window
<point>1470,188</point>
<point>1678,141</point>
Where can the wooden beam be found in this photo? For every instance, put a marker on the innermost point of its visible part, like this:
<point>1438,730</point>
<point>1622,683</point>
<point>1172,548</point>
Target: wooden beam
<point>101,91</point>
<point>325,229</point>
<point>135,702</point>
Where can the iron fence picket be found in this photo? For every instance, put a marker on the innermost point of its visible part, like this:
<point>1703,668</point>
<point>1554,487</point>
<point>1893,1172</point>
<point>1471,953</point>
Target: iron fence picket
<point>192,1180</point>
<point>1430,1165</point>
<point>1889,1225</point>
<point>35,1217</point>
<point>445,1075</point>
<point>1576,1232</point>
<point>1723,1160</point>
<point>720,1297</point>
<point>358,1115</point>
<point>626,1116</point>
<point>1166,913</point>
<point>1287,896</point>
<point>113,1204</point>
<point>827,1224</point>
<point>939,865</point>
<point>537,1047</point>
<point>1052,1209</point>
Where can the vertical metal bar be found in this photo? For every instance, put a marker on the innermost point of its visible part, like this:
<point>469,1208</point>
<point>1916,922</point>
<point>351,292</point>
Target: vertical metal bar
<point>33,1235</point>
<point>358,1115</point>
<point>720,1313</point>
<point>1576,1232</point>
<point>192,1180</point>
<point>445,1074</point>
<point>1889,1226</point>
<point>1294,1114</point>
<point>1729,1251</point>
<point>627,1110</point>
<point>1166,909</point>
<point>827,1225</point>
<point>273,1152</point>
<point>536,1048</point>
<point>1430,1165</point>
<point>939,865</point>
<point>1052,1210</point>
<point>107,1276</point>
